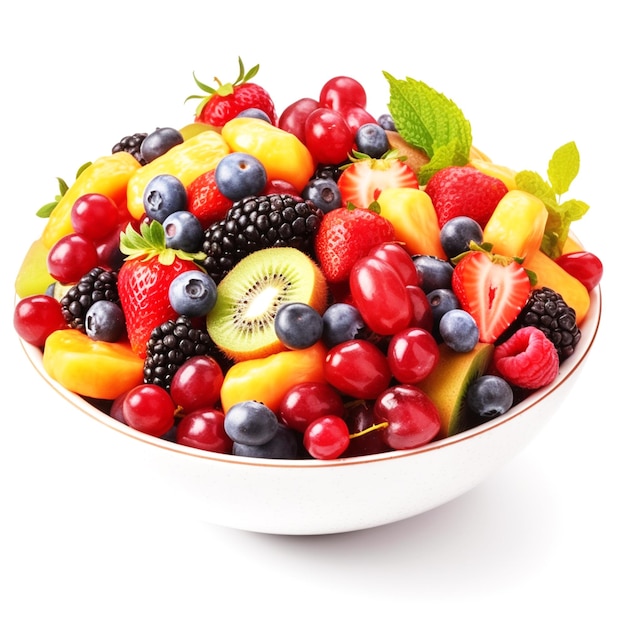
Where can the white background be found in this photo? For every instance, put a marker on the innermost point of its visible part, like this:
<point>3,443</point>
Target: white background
<point>542,541</point>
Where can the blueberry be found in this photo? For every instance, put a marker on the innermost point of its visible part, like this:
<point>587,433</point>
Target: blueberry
<point>458,330</point>
<point>371,139</point>
<point>298,325</point>
<point>158,142</point>
<point>255,113</point>
<point>164,195</point>
<point>434,273</point>
<point>183,231</point>
<point>193,293</point>
<point>489,396</point>
<point>250,423</point>
<point>323,193</point>
<point>442,301</point>
<point>104,321</point>
<point>283,445</point>
<point>457,233</point>
<point>342,322</point>
<point>386,121</point>
<point>239,175</point>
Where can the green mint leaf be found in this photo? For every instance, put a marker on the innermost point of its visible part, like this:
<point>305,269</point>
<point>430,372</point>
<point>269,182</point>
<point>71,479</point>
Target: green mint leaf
<point>450,154</point>
<point>429,120</point>
<point>46,209</point>
<point>531,182</point>
<point>563,167</point>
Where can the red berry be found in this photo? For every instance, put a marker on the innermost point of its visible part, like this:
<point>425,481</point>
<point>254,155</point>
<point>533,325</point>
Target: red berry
<point>328,136</point>
<point>528,359</point>
<point>71,258</point>
<point>197,383</point>
<point>204,429</point>
<point>305,402</point>
<point>399,258</point>
<point>36,317</point>
<point>412,354</point>
<point>95,216</point>
<point>412,417</point>
<point>584,266</point>
<point>357,368</point>
<point>326,437</point>
<point>149,409</point>
<point>380,295</point>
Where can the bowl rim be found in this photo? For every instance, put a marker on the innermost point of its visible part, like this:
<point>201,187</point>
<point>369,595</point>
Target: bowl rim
<point>590,326</point>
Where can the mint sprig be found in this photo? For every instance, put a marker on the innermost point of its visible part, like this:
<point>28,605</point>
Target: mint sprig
<point>429,120</point>
<point>562,170</point>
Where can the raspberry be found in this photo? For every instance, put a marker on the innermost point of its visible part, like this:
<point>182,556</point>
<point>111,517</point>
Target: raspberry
<point>467,191</point>
<point>528,359</point>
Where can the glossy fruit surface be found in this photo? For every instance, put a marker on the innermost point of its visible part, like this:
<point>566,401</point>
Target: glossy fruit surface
<point>583,265</point>
<point>412,417</point>
<point>357,368</point>
<point>149,409</point>
<point>293,118</point>
<point>328,136</point>
<point>239,175</point>
<point>164,194</point>
<point>250,423</point>
<point>342,92</point>
<point>326,437</point>
<point>380,295</point>
<point>159,141</point>
<point>204,429</point>
<point>306,402</point>
<point>36,317</point>
<point>412,355</point>
<point>72,257</point>
<point>197,383</point>
<point>94,215</point>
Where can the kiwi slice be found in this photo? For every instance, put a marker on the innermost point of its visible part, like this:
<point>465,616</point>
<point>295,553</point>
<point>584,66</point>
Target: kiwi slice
<point>447,384</point>
<point>242,321</point>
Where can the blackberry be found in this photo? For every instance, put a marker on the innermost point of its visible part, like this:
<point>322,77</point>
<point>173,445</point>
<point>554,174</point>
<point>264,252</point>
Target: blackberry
<point>132,145</point>
<point>170,345</point>
<point>547,311</point>
<point>257,222</point>
<point>97,284</point>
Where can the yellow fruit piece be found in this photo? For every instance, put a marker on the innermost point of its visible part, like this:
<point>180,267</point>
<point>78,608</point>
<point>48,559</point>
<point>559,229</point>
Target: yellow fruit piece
<point>501,172</point>
<point>33,277</point>
<point>282,154</point>
<point>447,384</point>
<point>195,128</point>
<point>551,274</point>
<point>414,219</point>
<point>572,245</point>
<point>188,160</point>
<point>95,369</point>
<point>268,379</point>
<point>516,226</point>
<point>108,175</point>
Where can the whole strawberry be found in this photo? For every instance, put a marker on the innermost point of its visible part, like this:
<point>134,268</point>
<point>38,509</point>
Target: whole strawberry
<point>345,236</point>
<point>220,105</point>
<point>464,190</point>
<point>144,279</point>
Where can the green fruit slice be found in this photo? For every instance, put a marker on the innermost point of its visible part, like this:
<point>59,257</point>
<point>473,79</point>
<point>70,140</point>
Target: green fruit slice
<point>447,384</point>
<point>242,321</point>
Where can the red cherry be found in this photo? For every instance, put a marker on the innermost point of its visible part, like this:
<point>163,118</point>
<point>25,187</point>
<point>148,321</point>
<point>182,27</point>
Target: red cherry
<point>197,383</point>
<point>412,417</point>
<point>71,258</point>
<point>204,429</point>
<point>36,317</point>
<point>326,437</point>
<point>584,266</point>
<point>413,354</point>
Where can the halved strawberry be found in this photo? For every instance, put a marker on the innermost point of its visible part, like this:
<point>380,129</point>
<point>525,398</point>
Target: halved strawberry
<point>361,182</point>
<point>492,289</point>
<point>218,106</point>
<point>144,280</point>
<point>345,235</point>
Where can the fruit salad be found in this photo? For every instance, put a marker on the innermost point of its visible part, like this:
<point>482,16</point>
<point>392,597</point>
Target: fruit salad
<point>313,283</point>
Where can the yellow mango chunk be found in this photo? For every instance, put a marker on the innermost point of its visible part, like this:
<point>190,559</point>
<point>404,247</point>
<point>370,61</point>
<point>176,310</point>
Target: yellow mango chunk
<point>95,369</point>
<point>33,277</point>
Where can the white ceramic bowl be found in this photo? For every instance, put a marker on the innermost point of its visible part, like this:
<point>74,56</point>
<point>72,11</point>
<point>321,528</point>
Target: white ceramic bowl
<point>308,497</point>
